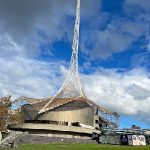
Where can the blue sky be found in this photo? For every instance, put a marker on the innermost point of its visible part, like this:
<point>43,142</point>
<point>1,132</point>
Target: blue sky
<point>114,52</point>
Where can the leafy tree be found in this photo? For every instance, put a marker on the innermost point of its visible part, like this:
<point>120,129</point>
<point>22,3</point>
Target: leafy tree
<point>8,117</point>
<point>3,118</point>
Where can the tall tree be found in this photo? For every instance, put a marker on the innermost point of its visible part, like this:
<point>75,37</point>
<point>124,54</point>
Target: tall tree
<point>8,117</point>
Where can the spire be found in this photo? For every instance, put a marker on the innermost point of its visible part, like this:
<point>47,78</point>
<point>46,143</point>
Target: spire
<point>71,88</point>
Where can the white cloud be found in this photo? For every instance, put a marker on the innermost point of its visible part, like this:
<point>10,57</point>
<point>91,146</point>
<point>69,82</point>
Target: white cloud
<point>8,48</point>
<point>138,4</point>
<point>27,77</point>
<point>127,93</point>
<point>140,11</point>
<point>141,59</point>
<point>48,21</point>
<point>117,37</point>
<point>110,33</point>
<point>33,22</point>
<point>21,75</point>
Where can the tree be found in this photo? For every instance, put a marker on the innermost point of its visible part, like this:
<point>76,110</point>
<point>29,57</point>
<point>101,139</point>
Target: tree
<point>3,118</point>
<point>8,117</point>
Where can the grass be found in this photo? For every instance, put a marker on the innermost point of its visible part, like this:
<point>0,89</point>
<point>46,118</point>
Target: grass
<point>78,147</point>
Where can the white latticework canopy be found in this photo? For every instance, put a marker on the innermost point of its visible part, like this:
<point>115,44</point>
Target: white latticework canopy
<point>71,88</point>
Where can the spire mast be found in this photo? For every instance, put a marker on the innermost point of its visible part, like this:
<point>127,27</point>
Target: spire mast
<point>71,88</point>
<point>75,45</point>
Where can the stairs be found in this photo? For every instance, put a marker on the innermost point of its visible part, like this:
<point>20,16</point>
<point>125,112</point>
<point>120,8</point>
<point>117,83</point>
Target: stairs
<point>17,138</point>
<point>10,140</point>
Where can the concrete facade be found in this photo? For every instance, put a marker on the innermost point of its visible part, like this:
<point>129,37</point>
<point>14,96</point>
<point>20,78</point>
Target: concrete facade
<point>52,127</point>
<point>51,130</point>
<point>83,116</point>
<point>75,119</point>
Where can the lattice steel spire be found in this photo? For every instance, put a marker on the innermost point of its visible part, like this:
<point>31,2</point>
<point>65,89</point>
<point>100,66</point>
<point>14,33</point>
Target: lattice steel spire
<point>71,88</point>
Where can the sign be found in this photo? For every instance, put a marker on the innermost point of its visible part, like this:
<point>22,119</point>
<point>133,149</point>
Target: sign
<point>136,140</point>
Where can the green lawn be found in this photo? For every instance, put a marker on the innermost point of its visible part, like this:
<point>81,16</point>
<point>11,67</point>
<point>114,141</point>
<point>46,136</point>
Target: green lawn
<point>78,147</point>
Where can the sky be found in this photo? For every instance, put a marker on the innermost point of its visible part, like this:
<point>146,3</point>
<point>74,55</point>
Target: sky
<point>114,52</point>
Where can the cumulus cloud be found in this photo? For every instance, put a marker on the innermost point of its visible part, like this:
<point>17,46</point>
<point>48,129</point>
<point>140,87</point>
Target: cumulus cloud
<point>34,22</point>
<point>27,77</point>
<point>110,33</point>
<point>8,48</point>
<point>117,37</point>
<point>140,11</point>
<point>137,6</point>
<point>24,21</point>
<point>141,59</point>
<point>21,75</point>
<point>126,93</point>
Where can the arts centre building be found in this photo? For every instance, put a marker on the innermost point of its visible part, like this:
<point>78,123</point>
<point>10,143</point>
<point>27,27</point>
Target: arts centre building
<point>66,117</point>
<point>68,114</point>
